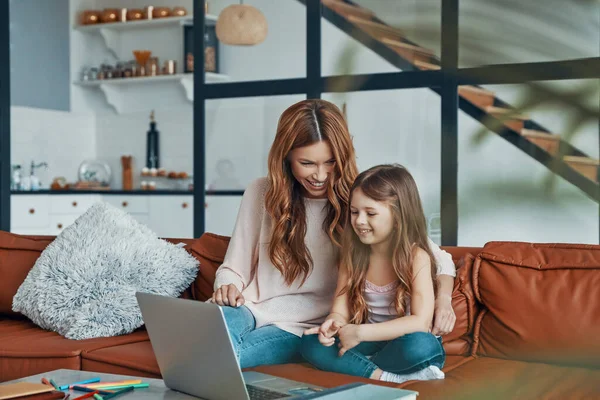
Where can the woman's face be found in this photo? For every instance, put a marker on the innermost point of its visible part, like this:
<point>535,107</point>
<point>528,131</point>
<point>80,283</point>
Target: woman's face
<point>312,166</point>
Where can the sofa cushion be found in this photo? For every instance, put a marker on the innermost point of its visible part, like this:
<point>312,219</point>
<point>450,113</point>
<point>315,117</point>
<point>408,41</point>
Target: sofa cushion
<point>458,253</point>
<point>458,342</point>
<point>129,359</point>
<point>210,250</point>
<point>542,302</point>
<point>83,285</point>
<point>485,378</point>
<point>17,256</point>
<point>138,359</point>
<point>26,349</point>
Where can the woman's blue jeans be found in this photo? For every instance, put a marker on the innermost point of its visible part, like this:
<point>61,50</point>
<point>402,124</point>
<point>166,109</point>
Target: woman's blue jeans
<point>404,355</point>
<point>263,346</point>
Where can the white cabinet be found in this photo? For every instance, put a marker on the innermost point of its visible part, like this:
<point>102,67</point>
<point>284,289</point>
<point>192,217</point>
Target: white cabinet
<point>29,214</point>
<point>169,216</point>
<point>72,203</point>
<point>172,216</point>
<point>58,222</point>
<point>42,214</point>
<point>128,203</point>
<point>221,213</point>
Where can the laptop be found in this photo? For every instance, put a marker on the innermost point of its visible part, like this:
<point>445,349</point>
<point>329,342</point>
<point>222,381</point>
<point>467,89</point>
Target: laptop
<point>195,354</point>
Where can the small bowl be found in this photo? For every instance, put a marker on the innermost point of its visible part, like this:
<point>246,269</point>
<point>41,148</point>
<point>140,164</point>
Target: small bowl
<point>179,12</point>
<point>110,15</point>
<point>90,17</point>
<point>135,14</point>
<point>161,12</point>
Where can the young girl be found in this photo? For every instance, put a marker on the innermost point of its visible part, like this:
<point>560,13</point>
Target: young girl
<point>386,293</point>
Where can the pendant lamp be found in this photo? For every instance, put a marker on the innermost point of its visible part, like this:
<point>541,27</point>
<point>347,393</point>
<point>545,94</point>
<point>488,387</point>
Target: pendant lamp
<point>241,25</point>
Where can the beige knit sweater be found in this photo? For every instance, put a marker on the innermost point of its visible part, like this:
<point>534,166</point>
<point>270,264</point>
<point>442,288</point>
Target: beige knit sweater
<point>291,308</point>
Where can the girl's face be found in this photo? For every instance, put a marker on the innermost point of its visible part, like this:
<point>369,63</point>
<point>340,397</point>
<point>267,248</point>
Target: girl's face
<point>372,221</point>
<point>312,166</point>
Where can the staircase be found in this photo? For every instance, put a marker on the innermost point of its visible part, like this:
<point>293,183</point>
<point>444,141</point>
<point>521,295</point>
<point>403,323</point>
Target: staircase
<point>538,142</point>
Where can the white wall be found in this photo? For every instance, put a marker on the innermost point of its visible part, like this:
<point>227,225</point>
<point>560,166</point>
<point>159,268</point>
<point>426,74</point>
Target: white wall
<point>283,53</point>
<point>61,139</point>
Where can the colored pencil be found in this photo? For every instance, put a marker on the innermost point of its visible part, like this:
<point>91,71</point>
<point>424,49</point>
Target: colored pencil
<point>46,382</point>
<point>98,397</point>
<point>80,383</point>
<point>135,385</point>
<point>120,392</point>
<point>87,395</point>
<point>114,383</point>
<point>54,384</point>
<point>84,389</point>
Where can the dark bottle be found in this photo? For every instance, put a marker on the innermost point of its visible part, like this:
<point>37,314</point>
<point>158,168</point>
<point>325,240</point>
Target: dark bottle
<point>152,156</point>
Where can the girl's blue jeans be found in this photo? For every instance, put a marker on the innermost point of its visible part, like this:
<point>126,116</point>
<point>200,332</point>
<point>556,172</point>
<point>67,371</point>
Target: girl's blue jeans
<point>404,355</point>
<point>263,346</point>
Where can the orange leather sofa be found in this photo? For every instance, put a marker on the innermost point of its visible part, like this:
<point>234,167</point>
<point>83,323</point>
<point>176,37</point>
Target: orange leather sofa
<point>528,324</point>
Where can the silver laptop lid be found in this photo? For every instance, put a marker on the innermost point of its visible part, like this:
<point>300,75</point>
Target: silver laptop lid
<point>192,346</point>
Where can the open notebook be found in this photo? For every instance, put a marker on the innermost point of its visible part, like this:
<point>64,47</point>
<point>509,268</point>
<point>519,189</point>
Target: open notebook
<point>26,390</point>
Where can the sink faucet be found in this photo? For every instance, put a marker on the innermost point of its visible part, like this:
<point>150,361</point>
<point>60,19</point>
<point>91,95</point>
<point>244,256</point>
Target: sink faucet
<point>34,181</point>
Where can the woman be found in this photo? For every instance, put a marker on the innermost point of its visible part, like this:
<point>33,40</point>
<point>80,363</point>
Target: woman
<point>279,275</point>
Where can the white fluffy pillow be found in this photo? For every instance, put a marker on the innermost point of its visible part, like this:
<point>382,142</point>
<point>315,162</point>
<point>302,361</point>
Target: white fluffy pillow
<point>83,285</point>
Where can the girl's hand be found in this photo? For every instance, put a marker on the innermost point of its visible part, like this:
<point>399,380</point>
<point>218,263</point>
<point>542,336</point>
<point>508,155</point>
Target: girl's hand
<point>228,295</point>
<point>444,317</point>
<point>349,336</point>
<point>326,331</point>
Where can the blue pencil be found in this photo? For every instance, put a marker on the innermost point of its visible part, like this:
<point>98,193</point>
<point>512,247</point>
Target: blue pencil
<point>93,380</point>
<point>88,390</point>
<point>120,392</point>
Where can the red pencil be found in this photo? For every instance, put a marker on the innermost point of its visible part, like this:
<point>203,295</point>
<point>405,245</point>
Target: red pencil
<point>46,382</point>
<point>87,395</point>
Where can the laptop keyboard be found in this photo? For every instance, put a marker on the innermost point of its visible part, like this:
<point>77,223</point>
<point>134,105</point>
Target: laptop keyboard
<point>257,393</point>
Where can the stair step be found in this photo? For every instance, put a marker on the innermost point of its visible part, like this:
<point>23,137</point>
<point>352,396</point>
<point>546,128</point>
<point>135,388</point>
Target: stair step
<point>502,110</point>
<point>348,9</point>
<point>516,122</point>
<point>549,142</point>
<point>586,166</point>
<point>480,97</point>
<point>378,30</point>
<point>426,66</point>
<point>409,51</point>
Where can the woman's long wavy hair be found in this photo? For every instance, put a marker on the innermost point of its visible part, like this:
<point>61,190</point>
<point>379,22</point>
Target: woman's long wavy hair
<point>303,124</point>
<point>394,185</point>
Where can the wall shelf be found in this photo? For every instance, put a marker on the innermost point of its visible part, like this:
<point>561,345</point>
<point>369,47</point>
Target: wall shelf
<point>144,24</point>
<point>112,33</point>
<point>125,93</point>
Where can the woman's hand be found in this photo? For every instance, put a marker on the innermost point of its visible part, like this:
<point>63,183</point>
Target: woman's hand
<point>326,331</point>
<point>228,295</point>
<point>349,336</point>
<point>443,317</point>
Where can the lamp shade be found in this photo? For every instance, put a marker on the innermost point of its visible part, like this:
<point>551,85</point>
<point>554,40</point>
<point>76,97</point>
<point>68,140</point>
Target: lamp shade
<point>242,25</point>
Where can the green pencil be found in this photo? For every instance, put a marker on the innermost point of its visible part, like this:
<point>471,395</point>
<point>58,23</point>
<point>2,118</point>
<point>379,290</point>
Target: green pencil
<point>136,385</point>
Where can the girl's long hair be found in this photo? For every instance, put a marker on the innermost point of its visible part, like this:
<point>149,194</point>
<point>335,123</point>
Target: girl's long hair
<point>394,185</point>
<point>303,124</point>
